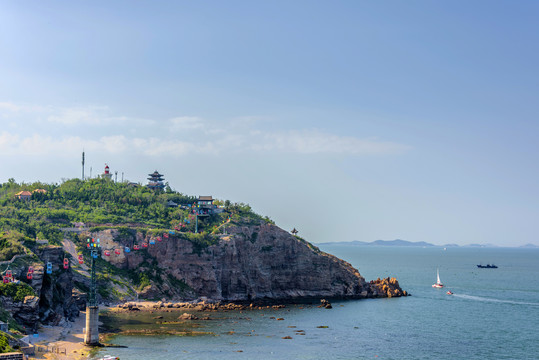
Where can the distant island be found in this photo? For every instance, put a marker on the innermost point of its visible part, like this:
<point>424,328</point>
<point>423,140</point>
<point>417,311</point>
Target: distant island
<point>399,242</point>
<point>396,242</point>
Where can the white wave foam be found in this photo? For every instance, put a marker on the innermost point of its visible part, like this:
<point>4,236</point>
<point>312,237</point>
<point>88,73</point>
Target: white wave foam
<point>479,298</point>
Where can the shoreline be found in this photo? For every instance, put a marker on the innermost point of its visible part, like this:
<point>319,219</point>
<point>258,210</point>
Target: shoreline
<point>70,335</point>
<point>159,307</point>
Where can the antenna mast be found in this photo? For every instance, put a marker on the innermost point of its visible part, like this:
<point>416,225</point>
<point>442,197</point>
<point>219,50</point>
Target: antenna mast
<point>83,164</point>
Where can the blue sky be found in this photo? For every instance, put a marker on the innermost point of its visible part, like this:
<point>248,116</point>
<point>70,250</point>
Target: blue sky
<point>349,120</point>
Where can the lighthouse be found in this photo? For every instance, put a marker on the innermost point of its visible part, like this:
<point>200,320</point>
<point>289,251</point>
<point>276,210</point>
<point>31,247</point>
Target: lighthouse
<point>106,175</point>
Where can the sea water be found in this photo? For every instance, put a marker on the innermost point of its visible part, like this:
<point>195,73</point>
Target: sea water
<point>493,314</point>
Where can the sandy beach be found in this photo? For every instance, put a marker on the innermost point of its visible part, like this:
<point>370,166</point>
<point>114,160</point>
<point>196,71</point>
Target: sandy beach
<point>70,337</point>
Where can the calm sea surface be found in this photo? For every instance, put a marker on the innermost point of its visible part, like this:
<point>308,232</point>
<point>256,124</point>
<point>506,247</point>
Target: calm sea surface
<point>493,314</point>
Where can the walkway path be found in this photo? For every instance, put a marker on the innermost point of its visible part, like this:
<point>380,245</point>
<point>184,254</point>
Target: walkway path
<point>69,246</point>
<point>14,258</point>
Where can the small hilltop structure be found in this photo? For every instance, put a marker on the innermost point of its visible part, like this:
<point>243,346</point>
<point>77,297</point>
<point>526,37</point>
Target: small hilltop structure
<point>27,195</point>
<point>24,195</point>
<point>106,174</point>
<point>156,181</point>
<point>204,205</point>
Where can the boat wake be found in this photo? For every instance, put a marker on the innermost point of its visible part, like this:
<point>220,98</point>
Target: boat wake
<point>479,298</point>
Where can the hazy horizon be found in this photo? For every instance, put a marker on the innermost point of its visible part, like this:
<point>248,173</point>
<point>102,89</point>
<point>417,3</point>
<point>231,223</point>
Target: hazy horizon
<point>485,245</point>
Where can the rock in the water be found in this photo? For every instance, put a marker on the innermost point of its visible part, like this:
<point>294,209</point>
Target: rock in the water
<point>325,304</point>
<point>186,316</point>
<point>387,287</point>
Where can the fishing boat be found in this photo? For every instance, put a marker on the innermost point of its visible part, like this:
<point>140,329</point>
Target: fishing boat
<point>487,266</point>
<point>438,282</point>
<point>109,357</point>
<point>449,292</point>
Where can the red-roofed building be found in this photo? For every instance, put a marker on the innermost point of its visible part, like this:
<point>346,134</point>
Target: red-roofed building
<point>24,195</point>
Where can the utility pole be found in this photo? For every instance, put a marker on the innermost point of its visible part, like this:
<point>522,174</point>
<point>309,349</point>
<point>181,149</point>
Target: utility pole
<point>91,337</point>
<point>122,176</point>
<point>90,172</point>
<point>116,176</point>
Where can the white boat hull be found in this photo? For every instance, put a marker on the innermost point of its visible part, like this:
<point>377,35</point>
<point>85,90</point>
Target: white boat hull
<point>438,284</point>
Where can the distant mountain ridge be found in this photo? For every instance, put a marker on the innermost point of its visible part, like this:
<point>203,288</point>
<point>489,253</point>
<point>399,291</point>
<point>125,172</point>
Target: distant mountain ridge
<point>399,242</point>
<point>396,242</point>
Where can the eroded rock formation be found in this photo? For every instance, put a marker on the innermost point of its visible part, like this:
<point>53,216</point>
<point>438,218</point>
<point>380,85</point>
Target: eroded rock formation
<point>54,302</point>
<point>255,262</point>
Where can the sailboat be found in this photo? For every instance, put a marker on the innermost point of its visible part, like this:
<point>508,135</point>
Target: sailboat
<point>438,282</point>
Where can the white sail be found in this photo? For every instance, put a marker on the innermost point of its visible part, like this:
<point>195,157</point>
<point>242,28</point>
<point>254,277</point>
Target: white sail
<point>438,282</point>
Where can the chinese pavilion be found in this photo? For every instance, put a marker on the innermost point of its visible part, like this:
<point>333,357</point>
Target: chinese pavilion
<point>156,181</point>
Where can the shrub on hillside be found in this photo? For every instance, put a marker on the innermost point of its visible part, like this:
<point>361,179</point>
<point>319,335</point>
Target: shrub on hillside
<point>16,291</point>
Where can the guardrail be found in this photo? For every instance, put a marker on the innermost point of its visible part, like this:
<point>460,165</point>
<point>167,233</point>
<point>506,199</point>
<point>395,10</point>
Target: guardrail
<point>51,349</point>
<point>12,356</point>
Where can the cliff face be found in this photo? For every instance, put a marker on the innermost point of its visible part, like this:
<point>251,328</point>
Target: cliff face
<point>54,302</point>
<point>55,290</point>
<point>250,263</point>
<point>24,312</point>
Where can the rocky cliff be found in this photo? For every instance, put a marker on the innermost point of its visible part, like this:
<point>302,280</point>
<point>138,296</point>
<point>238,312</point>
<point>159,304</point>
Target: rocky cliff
<point>255,262</point>
<point>53,302</point>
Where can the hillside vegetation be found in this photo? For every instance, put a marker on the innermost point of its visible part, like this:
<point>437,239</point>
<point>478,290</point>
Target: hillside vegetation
<point>97,202</point>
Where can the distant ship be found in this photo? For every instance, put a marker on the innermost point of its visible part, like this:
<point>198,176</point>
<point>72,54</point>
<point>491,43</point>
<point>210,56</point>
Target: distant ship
<point>487,266</point>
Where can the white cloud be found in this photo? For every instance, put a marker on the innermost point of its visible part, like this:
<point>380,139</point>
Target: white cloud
<point>247,120</point>
<point>317,142</point>
<point>159,147</point>
<point>16,145</point>
<point>76,116</point>
<point>184,123</point>
<point>7,140</point>
<point>115,144</point>
<point>176,137</point>
<point>9,107</point>
<point>43,145</point>
<point>89,115</point>
<point>307,143</point>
